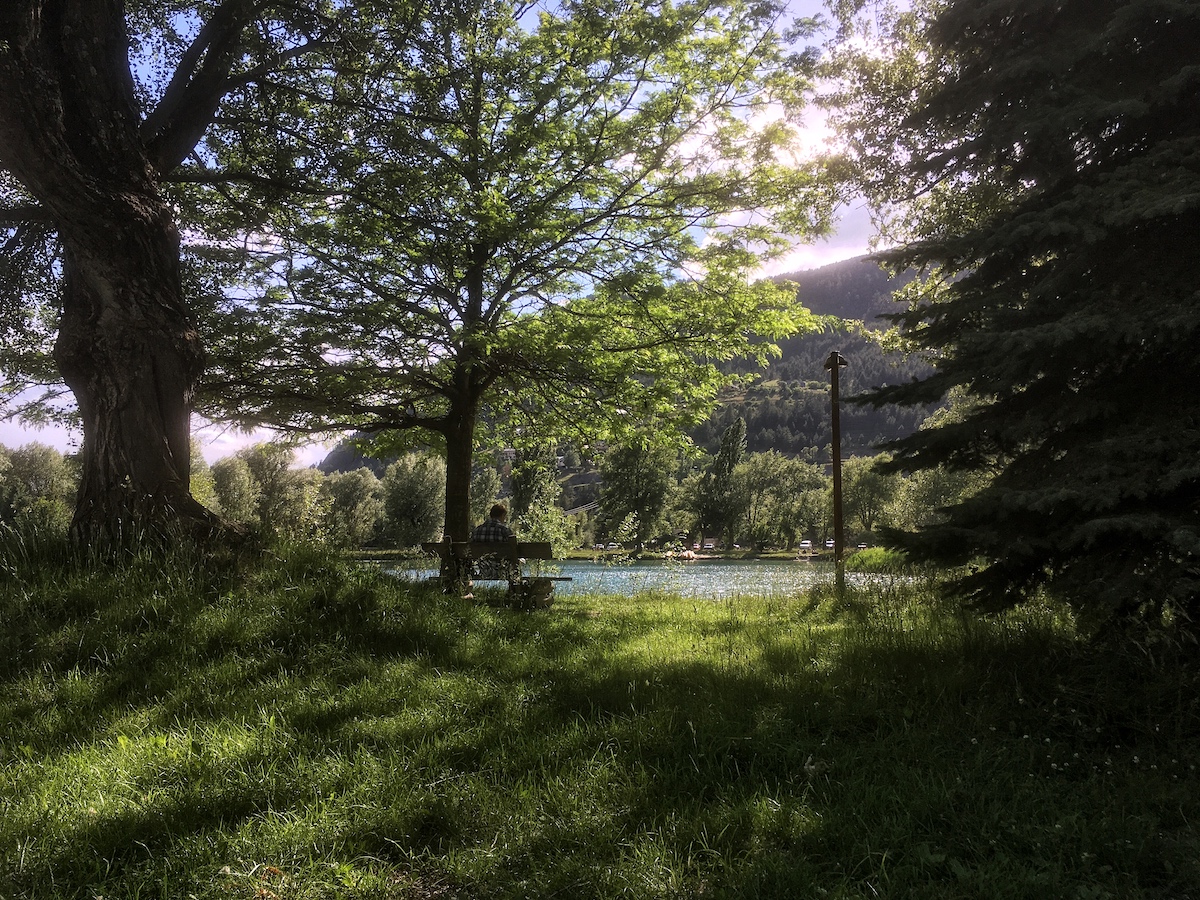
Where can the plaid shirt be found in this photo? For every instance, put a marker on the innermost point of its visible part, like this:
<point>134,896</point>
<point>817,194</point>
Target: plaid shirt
<point>493,530</point>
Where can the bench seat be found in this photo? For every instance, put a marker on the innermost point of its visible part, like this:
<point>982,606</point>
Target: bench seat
<point>514,552</point>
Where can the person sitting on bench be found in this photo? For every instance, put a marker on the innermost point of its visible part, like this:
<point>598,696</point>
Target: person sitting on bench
<point>495,528</point>
<point>493,531</point>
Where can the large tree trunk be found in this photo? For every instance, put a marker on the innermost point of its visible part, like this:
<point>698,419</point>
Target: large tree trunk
<point>459,431</point>
<point>127,349</point>
<point>460,457</point>
<point>70,133</point>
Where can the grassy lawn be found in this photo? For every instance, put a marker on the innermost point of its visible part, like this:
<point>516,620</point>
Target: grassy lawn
<point>309,728</point>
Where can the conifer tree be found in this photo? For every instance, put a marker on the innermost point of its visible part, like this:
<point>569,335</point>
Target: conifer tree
<point>1043,159</point>
<point>718,503</point>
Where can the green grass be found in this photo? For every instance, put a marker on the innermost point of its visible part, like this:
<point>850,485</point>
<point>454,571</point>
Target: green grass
<point>307,728</point>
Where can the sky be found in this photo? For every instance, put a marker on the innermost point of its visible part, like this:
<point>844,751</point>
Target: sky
<point>852,234</point>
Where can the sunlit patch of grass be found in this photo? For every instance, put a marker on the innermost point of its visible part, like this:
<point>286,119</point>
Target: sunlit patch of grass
<point>302,728</point>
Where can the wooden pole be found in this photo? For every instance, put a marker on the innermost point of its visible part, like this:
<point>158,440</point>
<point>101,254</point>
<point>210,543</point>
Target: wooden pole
<point>834,364</point>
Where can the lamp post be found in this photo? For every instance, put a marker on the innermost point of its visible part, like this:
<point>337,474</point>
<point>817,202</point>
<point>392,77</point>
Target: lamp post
<point>834,364</point>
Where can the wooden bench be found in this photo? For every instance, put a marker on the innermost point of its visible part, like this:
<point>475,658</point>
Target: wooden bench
<point>458,559</point>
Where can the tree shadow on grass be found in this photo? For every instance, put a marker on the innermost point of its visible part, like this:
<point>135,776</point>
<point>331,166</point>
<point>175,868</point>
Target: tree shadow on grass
<point>412,730</point>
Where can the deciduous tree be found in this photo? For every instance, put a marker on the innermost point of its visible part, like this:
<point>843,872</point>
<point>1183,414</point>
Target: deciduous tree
<point>352,510</point>
<point>718,505</point>
<point>545,219</point>
<point>638,478</point>
<point>37,487</point>
<point>88,142</point>
<point>286,498</point>
<point>414,491</point>
<point>237,493</point>
<point>867,490</point>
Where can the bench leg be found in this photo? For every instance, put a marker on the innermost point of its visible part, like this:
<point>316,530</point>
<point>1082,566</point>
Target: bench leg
<point>456,574</point>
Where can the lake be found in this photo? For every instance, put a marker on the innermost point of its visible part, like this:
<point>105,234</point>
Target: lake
<point>698,578</point>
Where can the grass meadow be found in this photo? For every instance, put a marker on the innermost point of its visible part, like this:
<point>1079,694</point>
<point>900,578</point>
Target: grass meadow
<point>301,727</point>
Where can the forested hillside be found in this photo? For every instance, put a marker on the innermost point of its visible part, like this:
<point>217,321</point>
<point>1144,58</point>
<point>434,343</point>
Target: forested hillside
<point>787,407</point>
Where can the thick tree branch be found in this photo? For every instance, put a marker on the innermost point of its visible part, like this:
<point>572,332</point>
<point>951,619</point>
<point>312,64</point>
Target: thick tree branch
<point>200,82</point>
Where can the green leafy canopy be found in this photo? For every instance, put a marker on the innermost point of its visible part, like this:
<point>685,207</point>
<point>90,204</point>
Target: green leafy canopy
<point>553,214</point>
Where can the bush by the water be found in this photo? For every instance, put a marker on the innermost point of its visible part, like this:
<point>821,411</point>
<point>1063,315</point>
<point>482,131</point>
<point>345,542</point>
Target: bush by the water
<point>878,559</point>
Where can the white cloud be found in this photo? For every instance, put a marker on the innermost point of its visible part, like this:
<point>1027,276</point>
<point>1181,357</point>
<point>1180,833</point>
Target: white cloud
<point>216,441</point>
<point>14,434</point>
<point>852,237</point>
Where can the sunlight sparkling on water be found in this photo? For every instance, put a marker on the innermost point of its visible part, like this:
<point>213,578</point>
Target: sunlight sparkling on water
<point>701,578</point>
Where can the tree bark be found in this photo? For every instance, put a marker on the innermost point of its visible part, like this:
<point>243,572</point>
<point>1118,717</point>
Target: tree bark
<point>127,348</point>
<point>470,381</point>
<point>128,351</point>
<point>460,457</point>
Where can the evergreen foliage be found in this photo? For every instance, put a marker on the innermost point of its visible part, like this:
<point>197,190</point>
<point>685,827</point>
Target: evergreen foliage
<point>718,507</point>
<point>1045,159</point>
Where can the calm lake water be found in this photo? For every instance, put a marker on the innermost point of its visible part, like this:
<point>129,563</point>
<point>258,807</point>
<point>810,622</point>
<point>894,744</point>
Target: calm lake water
<point>700,578</point>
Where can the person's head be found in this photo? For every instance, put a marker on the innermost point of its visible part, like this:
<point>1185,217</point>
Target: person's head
<point>499,512</point>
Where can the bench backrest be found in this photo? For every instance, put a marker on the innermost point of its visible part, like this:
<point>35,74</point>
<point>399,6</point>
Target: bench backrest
<point>513,550</point>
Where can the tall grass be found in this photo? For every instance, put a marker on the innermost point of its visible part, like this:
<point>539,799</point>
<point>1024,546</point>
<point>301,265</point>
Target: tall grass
<point>303,728</point>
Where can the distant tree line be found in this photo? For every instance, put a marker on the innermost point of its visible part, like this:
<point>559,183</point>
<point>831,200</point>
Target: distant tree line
<point>758,500</point>
<point>259,489</point>
<point>650,496</point>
